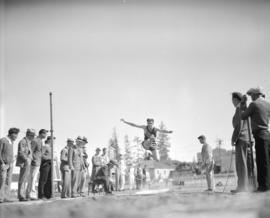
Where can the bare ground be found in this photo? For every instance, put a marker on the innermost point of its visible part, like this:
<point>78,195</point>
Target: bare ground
<point>187,201</point>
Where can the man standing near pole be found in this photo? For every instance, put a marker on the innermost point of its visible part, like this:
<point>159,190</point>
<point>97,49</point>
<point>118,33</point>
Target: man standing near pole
<point>36,146</point>
<point>259,112</point>
<point>240,139</point>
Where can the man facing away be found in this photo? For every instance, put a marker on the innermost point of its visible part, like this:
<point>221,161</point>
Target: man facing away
<point>36,146</point>
<point>259,112</point>
<point>150,134</point>
<point>24,158</point>
<point>65,170</point>
<point>74,160</point>
<point>241,141</point>
<point>207,163</point>
<point>6,163</point>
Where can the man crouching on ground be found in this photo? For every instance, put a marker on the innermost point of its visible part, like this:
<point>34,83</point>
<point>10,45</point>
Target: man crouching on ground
<point>207,163</point>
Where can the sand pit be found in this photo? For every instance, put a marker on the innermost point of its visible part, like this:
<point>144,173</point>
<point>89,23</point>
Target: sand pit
<point>172,204</point>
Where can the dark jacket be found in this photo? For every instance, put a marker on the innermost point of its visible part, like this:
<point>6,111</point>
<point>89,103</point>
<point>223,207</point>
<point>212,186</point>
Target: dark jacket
<point>6,151</point>
<point>24,152</point>
<point>36,146</point>
<point>259,112</point>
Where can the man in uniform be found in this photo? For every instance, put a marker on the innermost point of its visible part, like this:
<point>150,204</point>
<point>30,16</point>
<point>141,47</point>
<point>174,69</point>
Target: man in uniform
<point>36,146</point>
<point>241,141</point>
<point>24,158</point>
<point>207,163</point>
<point>150,134</point>
<point>74,160</point>
<point>259,112</point>
<point>6,163</point>
<point>65,170</point>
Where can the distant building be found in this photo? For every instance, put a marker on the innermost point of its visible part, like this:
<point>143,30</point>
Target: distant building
<point>158,170</point>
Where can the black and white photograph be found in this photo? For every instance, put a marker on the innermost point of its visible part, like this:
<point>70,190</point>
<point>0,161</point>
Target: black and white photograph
<point>134,108</point>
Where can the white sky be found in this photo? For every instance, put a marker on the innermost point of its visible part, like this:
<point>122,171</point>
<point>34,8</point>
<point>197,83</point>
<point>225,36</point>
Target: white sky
<point>175,62</point>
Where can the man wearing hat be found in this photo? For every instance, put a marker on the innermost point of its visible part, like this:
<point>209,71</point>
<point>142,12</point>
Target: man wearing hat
<point>6,163</point>
<point>207,163</point>
<point>150,134</point>
<point>65,170</point>
<point>85,165</point>
<point>36,145</point>
<point>74,160</point>
<point>259,113</point>
<point>240,139</point>
<point>24,158</point>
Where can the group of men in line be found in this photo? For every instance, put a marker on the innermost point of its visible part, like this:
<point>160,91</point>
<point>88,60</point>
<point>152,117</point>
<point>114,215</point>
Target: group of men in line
<point>251,125</point>
<point>34,158</point>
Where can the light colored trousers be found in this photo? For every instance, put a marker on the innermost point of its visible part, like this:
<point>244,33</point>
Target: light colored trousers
<point>31,188</point>
<point>5,181</point>
<point>210,176</point>
<point>66,186</point>
<point>82,181</point>
<point>241,165</point>
<point>131,182</point>
<point>75,179</point>
<point>123,181</point>
<point>23,180</point>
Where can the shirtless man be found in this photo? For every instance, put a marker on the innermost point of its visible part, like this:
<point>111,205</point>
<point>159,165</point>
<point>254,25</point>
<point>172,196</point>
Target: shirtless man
<point>150,134</point>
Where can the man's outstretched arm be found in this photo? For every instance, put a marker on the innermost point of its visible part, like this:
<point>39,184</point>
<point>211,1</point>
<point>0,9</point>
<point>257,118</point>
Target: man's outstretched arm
<point>132,124</point>
<point>164,131</point>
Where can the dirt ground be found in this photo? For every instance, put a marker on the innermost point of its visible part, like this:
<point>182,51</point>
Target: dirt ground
<point>180,201</point>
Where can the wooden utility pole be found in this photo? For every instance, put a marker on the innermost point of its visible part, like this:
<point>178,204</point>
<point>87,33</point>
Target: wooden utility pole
<point>52,140</point>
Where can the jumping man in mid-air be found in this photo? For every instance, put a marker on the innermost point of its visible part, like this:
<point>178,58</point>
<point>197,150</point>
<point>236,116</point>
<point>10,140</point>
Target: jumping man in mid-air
<point>150,134</point>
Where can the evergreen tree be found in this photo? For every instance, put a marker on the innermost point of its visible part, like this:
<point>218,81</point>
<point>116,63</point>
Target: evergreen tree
<point>128,151</point>
<point>163,143</point>
<point>113,146</point>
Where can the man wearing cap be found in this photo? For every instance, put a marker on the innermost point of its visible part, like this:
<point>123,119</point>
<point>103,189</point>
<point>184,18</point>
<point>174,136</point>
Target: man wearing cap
<point>74,160</point>
<point>241,141</point>
<point>259,113</point>
<point>24,158</point>
<point>65,170</point>
<point>6,163</point>
<point>150,134</point>
<point>36,145</point>
<point>207,163</point>
<point>84,168</point>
